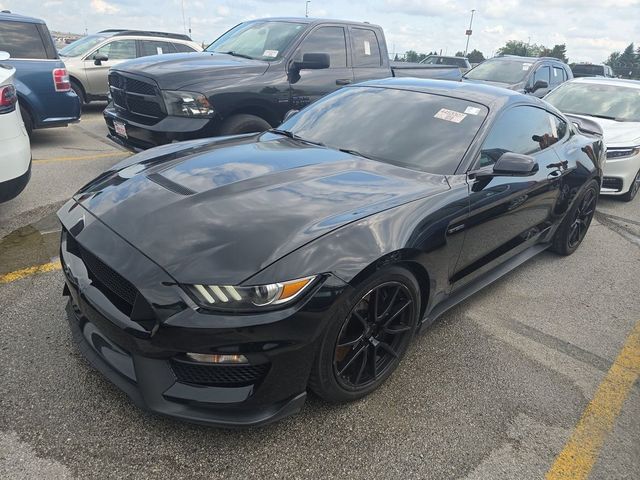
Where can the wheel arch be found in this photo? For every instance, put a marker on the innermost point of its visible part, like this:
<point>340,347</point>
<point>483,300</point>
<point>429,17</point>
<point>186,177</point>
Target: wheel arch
<point>76,80</point>
<point>257,110</point>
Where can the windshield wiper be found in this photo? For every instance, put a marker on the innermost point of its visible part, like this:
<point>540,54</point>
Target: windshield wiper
<point>235,54</point>
<point>289,134</point>
<point>355,152</point>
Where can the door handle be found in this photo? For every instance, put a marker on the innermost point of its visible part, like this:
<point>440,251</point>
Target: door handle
<point>343,81</point>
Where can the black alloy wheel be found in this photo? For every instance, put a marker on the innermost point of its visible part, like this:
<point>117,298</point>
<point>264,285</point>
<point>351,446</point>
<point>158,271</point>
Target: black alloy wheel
<point>633,189</point>
<point>368,336</point>
<point>582,218</point>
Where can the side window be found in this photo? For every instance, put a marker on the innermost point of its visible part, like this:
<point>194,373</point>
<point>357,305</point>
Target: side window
<point>366,50</point>
<point>22,40</point>
<point>118,50</point>
<point>182,48</point>
<point>525,130</point>
<point>152,47</point>
<point>558,76</point>
<point>542,73</point>
<point>329,40</point>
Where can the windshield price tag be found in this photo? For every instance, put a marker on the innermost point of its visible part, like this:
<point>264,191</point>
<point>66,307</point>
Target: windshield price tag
<point>270,53</point>
<point>450,115</point>
<point>472,110</point>
<point>526,66</point>
<point>367,48</point>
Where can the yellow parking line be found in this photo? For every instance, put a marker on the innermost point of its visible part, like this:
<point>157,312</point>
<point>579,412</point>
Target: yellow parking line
<point>26,272</point>
<point>83,157</point>
<point>579,455</point>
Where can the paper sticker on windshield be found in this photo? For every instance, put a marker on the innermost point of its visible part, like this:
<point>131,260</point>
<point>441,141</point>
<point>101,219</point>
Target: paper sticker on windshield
<point>472,110</point>
<point>367,48</point>
<point>526,66</point>
<point>450,115</point>
<point>159,50</point>
<point>270,53</point>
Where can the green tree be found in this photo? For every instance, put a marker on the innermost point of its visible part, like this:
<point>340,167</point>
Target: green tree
<point>558,51</point>
<point>411,56</point>
<point>475,56</point>
<point>516,47</point>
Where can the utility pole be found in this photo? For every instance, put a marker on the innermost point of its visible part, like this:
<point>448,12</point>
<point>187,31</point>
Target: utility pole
<point>306,10</point>
<point>468,33</point>
<point>184,22</point>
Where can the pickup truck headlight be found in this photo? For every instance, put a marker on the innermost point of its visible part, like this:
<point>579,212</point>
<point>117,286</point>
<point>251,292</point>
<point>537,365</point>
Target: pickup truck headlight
<point>250,298</point>
<point>187,104</point>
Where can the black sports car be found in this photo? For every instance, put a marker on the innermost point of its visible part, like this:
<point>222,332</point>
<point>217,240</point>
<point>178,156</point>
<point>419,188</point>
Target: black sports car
<point>217,280</point>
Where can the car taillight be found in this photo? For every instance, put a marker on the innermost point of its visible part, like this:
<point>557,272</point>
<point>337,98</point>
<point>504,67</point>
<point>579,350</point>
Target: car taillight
<point>61,80</point>
<point>8,98</point>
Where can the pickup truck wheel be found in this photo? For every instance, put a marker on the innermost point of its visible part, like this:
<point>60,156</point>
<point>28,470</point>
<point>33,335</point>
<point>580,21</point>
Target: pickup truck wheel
<point>243,123</point>
<point>26,119</point>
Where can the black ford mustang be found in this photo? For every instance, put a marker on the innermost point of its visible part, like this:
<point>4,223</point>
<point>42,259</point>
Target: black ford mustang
<point>217,280</point>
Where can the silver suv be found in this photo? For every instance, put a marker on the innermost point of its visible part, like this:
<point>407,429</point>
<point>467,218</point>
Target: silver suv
<point>89,58</point>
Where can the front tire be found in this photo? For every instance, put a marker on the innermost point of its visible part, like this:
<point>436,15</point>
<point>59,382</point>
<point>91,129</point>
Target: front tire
<point>574,227</point>
<point>243,123</point>
<point>367,337</point>
<point>26,119</point>
<point>633,189</point>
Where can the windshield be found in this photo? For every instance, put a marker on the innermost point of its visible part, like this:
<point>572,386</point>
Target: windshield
<point>411,129</point>
<point>618,102</point>
<point>502,71</point>
<point>81,46</point>
<point>258,40</point>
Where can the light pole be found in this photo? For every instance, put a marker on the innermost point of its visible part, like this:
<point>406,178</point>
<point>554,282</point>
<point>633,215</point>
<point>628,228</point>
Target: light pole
<point>468,32</point>
<point>306,10</point>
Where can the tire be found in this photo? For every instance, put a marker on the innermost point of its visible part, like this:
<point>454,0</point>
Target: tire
<point>26,119</point>
<point>345,371</point>
<point>576,222</point>
<point>75,86</point>
<point>633,189</point>
<point>243,123</point>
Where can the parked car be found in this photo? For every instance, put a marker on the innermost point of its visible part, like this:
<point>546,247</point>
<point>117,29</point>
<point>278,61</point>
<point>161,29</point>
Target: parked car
<point>15,156</point>
<point>533,76</point>
<point>89,58</point>
<point>461,62</point>
<point>41,79</point>
<point>591,70</point>
<point>615,105</point>
<point>247,79</point>
<point>215,280</point>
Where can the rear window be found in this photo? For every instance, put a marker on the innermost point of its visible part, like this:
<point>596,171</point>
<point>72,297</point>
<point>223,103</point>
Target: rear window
<point>501,70</point>
<point>588,70</point>
<point>25,40</point>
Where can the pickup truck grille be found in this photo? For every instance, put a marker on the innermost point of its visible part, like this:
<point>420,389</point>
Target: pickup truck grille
<point>140,99</point>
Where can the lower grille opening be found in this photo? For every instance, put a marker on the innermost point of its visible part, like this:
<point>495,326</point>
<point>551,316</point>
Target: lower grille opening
<point>612,183</point>
<point>218,375</point>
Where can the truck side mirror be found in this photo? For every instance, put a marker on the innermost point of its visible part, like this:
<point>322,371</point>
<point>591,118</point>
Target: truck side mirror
<point>98,58</point>
<point>540,84</point>
<point>313,61</point>
<point>515,164</point>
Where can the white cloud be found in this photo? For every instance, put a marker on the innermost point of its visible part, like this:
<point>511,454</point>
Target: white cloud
<point>101,6</point>
<point>223,11</point>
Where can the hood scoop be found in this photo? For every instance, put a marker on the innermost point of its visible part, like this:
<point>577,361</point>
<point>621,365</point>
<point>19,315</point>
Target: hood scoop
<point>170,184</point>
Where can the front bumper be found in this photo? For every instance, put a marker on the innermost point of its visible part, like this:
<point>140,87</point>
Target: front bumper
<point>143,353</point>
<point>167,130</point>
<point>619,175</point>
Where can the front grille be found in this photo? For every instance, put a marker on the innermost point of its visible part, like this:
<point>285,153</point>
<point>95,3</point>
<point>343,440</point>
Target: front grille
<point>612,183</point>
<point>139,98</point>
<point>109,277</point>
<point>218,375</point>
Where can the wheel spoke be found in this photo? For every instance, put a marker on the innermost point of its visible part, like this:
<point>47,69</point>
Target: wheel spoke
<point>395,315</point>
<point>365,359</point>
<point>394,331</point>
<point>351,342</point>
<point>385,346</point>
<point>361,319</point>
<point>352,359</point>
<point>373,364</point>
<point>391,302</point>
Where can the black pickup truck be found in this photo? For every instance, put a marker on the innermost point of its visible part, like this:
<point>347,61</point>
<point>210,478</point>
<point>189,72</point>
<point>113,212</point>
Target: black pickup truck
<point>247,80</point>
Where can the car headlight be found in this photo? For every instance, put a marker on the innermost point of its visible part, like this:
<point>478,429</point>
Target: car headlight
<point>622,152</point>
<point>187,104</point>
<point>253,297</point>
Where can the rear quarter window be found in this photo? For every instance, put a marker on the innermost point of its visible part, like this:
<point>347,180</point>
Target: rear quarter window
<point>26,40</point>
<point>182,48</point>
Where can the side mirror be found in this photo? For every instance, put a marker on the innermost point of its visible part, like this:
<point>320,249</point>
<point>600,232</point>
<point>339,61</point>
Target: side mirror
<point>539,85</point>
<point>289,114</point>
<point>313,61</point>
<point>98,58</point>
<point>4,56</point>
<point>515,164</point>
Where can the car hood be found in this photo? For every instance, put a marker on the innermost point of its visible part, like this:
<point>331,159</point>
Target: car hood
<point>617,134</point>
<point>174,71</point>
<point>220,210</point>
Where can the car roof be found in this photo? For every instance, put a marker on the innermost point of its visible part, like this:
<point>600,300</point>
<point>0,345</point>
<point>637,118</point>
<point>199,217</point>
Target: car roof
<point>526,59</point>
<point>14,17</point>
<point>315,21</point>
<point>619,82</point>
<point>488,95</point>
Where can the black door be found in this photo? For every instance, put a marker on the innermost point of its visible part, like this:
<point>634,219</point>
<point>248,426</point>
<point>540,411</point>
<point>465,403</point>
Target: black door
<point>313,84</point>
<point>366,55</point>
<point>509,213</point>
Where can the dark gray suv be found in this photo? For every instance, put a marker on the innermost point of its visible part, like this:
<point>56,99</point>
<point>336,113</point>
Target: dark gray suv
<point>530,75</point>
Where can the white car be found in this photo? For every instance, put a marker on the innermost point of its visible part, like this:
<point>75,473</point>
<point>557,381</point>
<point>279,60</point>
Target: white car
<point>15,155</point>
<point>615,105</point>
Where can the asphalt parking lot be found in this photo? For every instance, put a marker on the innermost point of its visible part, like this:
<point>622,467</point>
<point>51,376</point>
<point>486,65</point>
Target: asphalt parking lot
<point>534,373</point>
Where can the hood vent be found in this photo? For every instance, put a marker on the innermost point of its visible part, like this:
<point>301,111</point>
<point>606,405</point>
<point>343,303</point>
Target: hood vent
<point>170,185</point>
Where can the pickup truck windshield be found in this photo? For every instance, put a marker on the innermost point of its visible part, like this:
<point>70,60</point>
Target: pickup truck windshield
<point>588,70</point>
<point>81,46</point>
<point>258,40</point>
<point>410,129</point>
<point>608,101</point>
<point>502,71</point>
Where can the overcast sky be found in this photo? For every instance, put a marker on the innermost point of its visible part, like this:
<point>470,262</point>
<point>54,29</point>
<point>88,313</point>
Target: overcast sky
<point>591,29</point>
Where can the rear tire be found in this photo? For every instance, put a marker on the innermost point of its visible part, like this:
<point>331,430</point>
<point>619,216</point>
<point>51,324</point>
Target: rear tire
<point>576,222</point>
<point>26,119</point>
<point>243,123</point>
<point>364,343</point>
<point>633,189</point>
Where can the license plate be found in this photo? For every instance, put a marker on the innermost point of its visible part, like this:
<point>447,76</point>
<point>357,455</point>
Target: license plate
<point>121,129</point>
